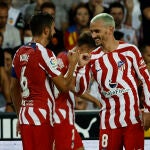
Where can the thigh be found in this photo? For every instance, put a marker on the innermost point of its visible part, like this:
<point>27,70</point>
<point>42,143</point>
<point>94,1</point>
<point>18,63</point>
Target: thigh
<point>111,139</point>
<point>66,136</point>
<point>37,137</point>
<point>134,137</point>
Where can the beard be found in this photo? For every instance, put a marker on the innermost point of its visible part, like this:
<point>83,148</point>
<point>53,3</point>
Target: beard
<point>98,41</point>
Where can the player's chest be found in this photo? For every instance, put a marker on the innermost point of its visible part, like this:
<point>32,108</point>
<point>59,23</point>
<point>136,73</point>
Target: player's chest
<point>112,64</point>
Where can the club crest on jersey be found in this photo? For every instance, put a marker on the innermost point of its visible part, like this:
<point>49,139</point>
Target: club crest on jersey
<point>53,62</point>
<point>121,65</point>
<point>24,57</point>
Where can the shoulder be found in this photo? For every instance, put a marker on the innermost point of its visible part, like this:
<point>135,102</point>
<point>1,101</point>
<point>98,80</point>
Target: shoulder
<point>126,45</point>
<point>97,53</point>
<point>128,48</point>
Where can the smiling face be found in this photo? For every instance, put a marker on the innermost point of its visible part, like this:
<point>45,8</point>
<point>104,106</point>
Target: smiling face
<point>100,32</point>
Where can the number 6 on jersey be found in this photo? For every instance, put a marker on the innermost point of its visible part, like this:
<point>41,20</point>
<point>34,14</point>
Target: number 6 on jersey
<point>24,83</point>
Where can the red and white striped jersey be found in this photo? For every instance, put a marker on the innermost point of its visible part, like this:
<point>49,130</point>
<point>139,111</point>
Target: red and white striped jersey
<point>117,74</point>
<point>64,103</point>
<point>34,66</point>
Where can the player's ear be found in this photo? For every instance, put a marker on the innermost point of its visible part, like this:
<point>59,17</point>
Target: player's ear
<point>111,28</point>
<point>46,30</point>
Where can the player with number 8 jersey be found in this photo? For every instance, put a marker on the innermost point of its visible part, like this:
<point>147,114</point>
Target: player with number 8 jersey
<point>117,69</point>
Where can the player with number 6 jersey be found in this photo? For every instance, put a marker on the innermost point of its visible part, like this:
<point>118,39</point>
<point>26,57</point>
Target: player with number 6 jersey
<point>34,73</point>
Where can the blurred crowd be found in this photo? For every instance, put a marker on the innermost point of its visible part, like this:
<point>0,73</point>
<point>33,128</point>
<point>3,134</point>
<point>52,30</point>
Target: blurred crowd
<point>72,17</point>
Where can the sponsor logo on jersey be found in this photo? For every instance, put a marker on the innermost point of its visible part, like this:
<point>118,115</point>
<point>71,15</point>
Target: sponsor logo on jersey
<point>53,62</point>
<point>24,57</point>
<point>116,91</point>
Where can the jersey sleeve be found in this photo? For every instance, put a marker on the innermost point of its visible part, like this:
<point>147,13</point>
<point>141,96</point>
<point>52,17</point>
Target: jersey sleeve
<point>82,79</point>
<point>63,63</point>
<point>49,62</point>
<point>143,74</point>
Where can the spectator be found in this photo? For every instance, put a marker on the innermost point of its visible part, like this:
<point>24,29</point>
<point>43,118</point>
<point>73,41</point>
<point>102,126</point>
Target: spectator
<point>145,50</point>
<point>32,9</point>
<point>27,35</point>
<point>136,15</point>
<point>11,34</point>
<point>20,3</point>
<point>5,102</point>
<point>145,10</point>
<point>95,7</point>
<point>81,22</point>
<point>116,9</point>
<point>62,9</point>
<point>2,78</point>
<point>15,17</point>
<point>8,56</point>
<point>1,39</point>
<point>57,42</point>
<point>132,16</point>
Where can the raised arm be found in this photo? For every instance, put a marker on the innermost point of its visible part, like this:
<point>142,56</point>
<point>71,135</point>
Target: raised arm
<point>63,83</point>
